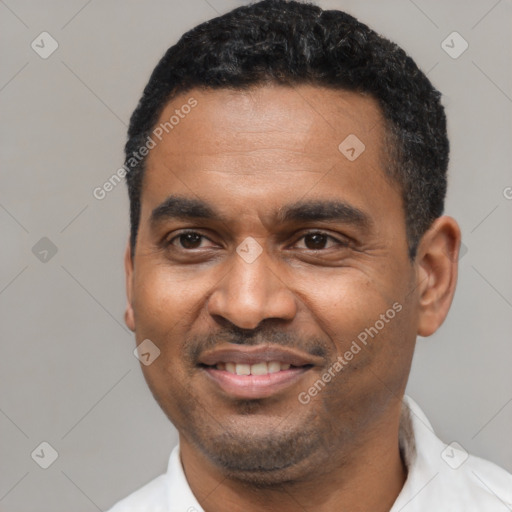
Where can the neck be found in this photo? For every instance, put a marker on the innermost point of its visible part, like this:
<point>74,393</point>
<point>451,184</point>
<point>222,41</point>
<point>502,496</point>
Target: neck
<point>368,478</point>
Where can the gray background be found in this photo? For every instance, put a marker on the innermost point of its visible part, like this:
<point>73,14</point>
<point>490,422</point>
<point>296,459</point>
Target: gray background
<point>68,374</point>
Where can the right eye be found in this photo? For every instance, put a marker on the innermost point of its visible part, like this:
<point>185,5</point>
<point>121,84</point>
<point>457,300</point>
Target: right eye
<point>189,240</point>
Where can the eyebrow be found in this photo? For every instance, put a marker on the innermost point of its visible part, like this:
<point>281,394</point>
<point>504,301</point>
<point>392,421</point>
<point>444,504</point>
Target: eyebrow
<point>177,207</point>
<point>185,208</point>
<point>335,211</point>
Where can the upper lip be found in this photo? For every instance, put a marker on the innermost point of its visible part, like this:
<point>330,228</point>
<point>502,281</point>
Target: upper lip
<point>256,354</point>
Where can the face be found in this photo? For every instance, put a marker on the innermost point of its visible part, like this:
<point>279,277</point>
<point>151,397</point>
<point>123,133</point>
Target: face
<point>265,249</point>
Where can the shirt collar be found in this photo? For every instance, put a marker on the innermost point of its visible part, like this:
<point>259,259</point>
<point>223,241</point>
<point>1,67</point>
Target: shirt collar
<point>420,448</point>
<point>179,495</point>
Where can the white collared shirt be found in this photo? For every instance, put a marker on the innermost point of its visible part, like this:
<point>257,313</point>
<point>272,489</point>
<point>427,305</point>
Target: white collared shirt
<point>441,478</point>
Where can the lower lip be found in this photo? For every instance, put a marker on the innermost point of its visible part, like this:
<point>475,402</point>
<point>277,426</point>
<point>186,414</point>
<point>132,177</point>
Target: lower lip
<point>255,386</point>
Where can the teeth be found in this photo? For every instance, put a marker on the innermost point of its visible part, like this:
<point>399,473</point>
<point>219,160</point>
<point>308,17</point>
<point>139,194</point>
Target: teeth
<point>243,369</point>
<point>259,369</point>
<point>274,366</point>
<point>262,368</point>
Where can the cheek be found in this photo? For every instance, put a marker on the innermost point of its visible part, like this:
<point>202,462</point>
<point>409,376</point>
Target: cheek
<point>169,308</point>
<point>367,322</point>
<point>164,298</point>
<point>345,301</point>
<point>163,306</point>
<point>160,308</point>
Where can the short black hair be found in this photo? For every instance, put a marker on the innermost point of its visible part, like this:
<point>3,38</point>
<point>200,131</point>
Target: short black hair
<point>293,43</point>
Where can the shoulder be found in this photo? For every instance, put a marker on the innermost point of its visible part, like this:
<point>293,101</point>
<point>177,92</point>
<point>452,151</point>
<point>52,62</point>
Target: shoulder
<point>482,483</point>
<point>445,477</point>
<point>149,498</point>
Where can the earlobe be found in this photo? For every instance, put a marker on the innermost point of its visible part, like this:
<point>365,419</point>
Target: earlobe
<point>129,316</point>
<point>437,264</point>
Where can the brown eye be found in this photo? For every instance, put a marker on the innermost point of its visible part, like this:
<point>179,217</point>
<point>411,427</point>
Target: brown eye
<point>190,240</point>
<point>319,241</point>
<point>315,241</point>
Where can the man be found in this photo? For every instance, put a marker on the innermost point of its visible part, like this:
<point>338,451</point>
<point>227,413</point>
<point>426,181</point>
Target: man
<point>286,169</point>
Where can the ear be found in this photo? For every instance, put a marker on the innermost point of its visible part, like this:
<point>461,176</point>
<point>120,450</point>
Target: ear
<point>437,262</point>
<point>129,316</point>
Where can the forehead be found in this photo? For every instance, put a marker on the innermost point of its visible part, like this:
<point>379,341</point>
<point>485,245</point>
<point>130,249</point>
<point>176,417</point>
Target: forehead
<point>302,118</point>
<point>259,145</point>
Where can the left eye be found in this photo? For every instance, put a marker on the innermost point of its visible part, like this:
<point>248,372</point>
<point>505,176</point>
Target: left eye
<point>318,241</point>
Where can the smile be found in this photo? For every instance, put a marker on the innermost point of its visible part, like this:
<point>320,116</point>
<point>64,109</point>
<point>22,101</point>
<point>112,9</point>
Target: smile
<point>262,368</point>
<point>254,386</point>
<point>246,372</point>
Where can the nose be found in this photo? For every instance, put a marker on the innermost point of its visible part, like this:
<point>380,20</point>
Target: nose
<point>250,293</point>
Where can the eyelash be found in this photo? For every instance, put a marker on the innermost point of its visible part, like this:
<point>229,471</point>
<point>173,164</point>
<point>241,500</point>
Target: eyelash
<point>341,243</point>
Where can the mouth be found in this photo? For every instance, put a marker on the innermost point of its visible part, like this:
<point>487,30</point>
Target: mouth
<point>260,368</point>
<point>255,372</point>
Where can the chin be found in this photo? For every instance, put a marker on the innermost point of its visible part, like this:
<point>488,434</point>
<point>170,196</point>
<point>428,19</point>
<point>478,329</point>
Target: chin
<point>266,461</point>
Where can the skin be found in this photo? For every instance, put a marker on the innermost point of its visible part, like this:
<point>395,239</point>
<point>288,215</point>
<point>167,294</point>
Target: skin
<point>249,154</point>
